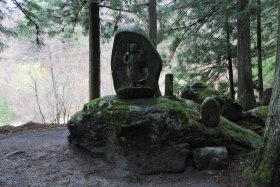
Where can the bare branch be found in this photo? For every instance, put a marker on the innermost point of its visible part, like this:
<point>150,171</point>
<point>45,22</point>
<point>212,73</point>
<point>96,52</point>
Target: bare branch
<point>35,88</point>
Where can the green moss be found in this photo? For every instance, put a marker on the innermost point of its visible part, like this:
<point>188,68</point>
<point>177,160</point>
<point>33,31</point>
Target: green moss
<point>102,104</point>
<point>174,106</point>
<point>199,84</point>
<point>263,174</point>
<point>261,111</point>
<point>239,134</point>
<point>227,129</point>
<point>78,116</point>
<point>132,179</point>
<point>260,173</point>
<point>111,110</point>
<point>202,91</point>
<point>248,172</point>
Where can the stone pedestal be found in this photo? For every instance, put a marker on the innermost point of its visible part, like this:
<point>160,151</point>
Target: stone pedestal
<point>151,135</point>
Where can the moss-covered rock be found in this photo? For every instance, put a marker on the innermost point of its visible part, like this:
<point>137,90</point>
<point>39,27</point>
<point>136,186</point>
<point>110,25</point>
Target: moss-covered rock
<point>151,135</point>
<point>215,158</point>
<point>199,91</point>
<point>260,112</point>
<point>255,119</point>
<point>202,91</point>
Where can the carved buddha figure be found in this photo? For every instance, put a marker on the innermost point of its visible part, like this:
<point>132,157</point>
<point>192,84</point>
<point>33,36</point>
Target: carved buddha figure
<point>137,70</point>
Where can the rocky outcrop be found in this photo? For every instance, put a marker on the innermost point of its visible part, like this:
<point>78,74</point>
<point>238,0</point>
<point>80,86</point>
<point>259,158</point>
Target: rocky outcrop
<point>199,91</point>
<point>151,135</point>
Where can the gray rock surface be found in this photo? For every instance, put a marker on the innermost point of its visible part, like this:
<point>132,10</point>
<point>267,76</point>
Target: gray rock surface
<point>215,158</point>
<point>231,109</point>
<point>187,93</point>
<point>210,112</point>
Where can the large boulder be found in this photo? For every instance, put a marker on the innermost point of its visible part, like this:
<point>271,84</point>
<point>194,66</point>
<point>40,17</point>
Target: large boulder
<point>215,158</point>
<point>231,109</point>
<point>151,135</point>
<point>255,119</point>
<point>199,91</point>
<point>260,114</point>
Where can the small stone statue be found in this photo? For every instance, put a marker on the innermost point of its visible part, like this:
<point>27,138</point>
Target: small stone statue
<point>210,112</point>
<point>137,70</point>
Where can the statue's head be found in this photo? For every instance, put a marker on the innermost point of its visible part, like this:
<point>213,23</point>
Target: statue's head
<point>133,47</point>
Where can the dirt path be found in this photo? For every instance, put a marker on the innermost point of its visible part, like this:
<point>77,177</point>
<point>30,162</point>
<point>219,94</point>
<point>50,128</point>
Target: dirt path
<point>44,158</point>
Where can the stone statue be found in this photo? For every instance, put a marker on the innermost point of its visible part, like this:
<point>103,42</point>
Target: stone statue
<point>137,70</point>
<point>135,64</point>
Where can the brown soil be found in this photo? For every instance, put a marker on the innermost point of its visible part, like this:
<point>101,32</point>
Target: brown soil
<point>39,155</point>
<point>28,127</point>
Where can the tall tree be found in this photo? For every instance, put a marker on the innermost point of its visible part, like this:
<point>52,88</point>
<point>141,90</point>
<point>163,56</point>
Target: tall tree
<point>4,30</point>
<point>229,58</point>
<point>266,170</point>
<point>245,82</point>
<point>153,21</point>
<point>94,51</point>
<point>259,49</point>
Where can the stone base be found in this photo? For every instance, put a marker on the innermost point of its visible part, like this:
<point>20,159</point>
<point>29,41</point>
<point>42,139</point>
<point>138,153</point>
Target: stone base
<point>135,93</point>
<point>151,135</point>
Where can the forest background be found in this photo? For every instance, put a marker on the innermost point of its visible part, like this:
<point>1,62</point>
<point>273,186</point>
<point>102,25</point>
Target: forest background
<point>44,63</point>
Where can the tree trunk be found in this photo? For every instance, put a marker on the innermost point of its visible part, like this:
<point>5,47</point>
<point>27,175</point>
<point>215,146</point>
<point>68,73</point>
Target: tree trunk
<point>94,50</point>
<point>245,83</point>
<point>229,57</point>
<point>259,49</point>
<point>153,21</point>
<point>153,28</point>
<point>267,164</point>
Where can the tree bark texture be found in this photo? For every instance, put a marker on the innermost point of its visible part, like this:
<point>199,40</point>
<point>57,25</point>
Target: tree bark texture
<point>153,21</point>
<point>94,50</point>
<point>245,84</point>
<point>229,57</point>
<point>259,49</point>
<point>267,164</point>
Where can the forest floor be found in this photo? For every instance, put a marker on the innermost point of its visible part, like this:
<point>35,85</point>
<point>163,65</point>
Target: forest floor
<point>39,155</point>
